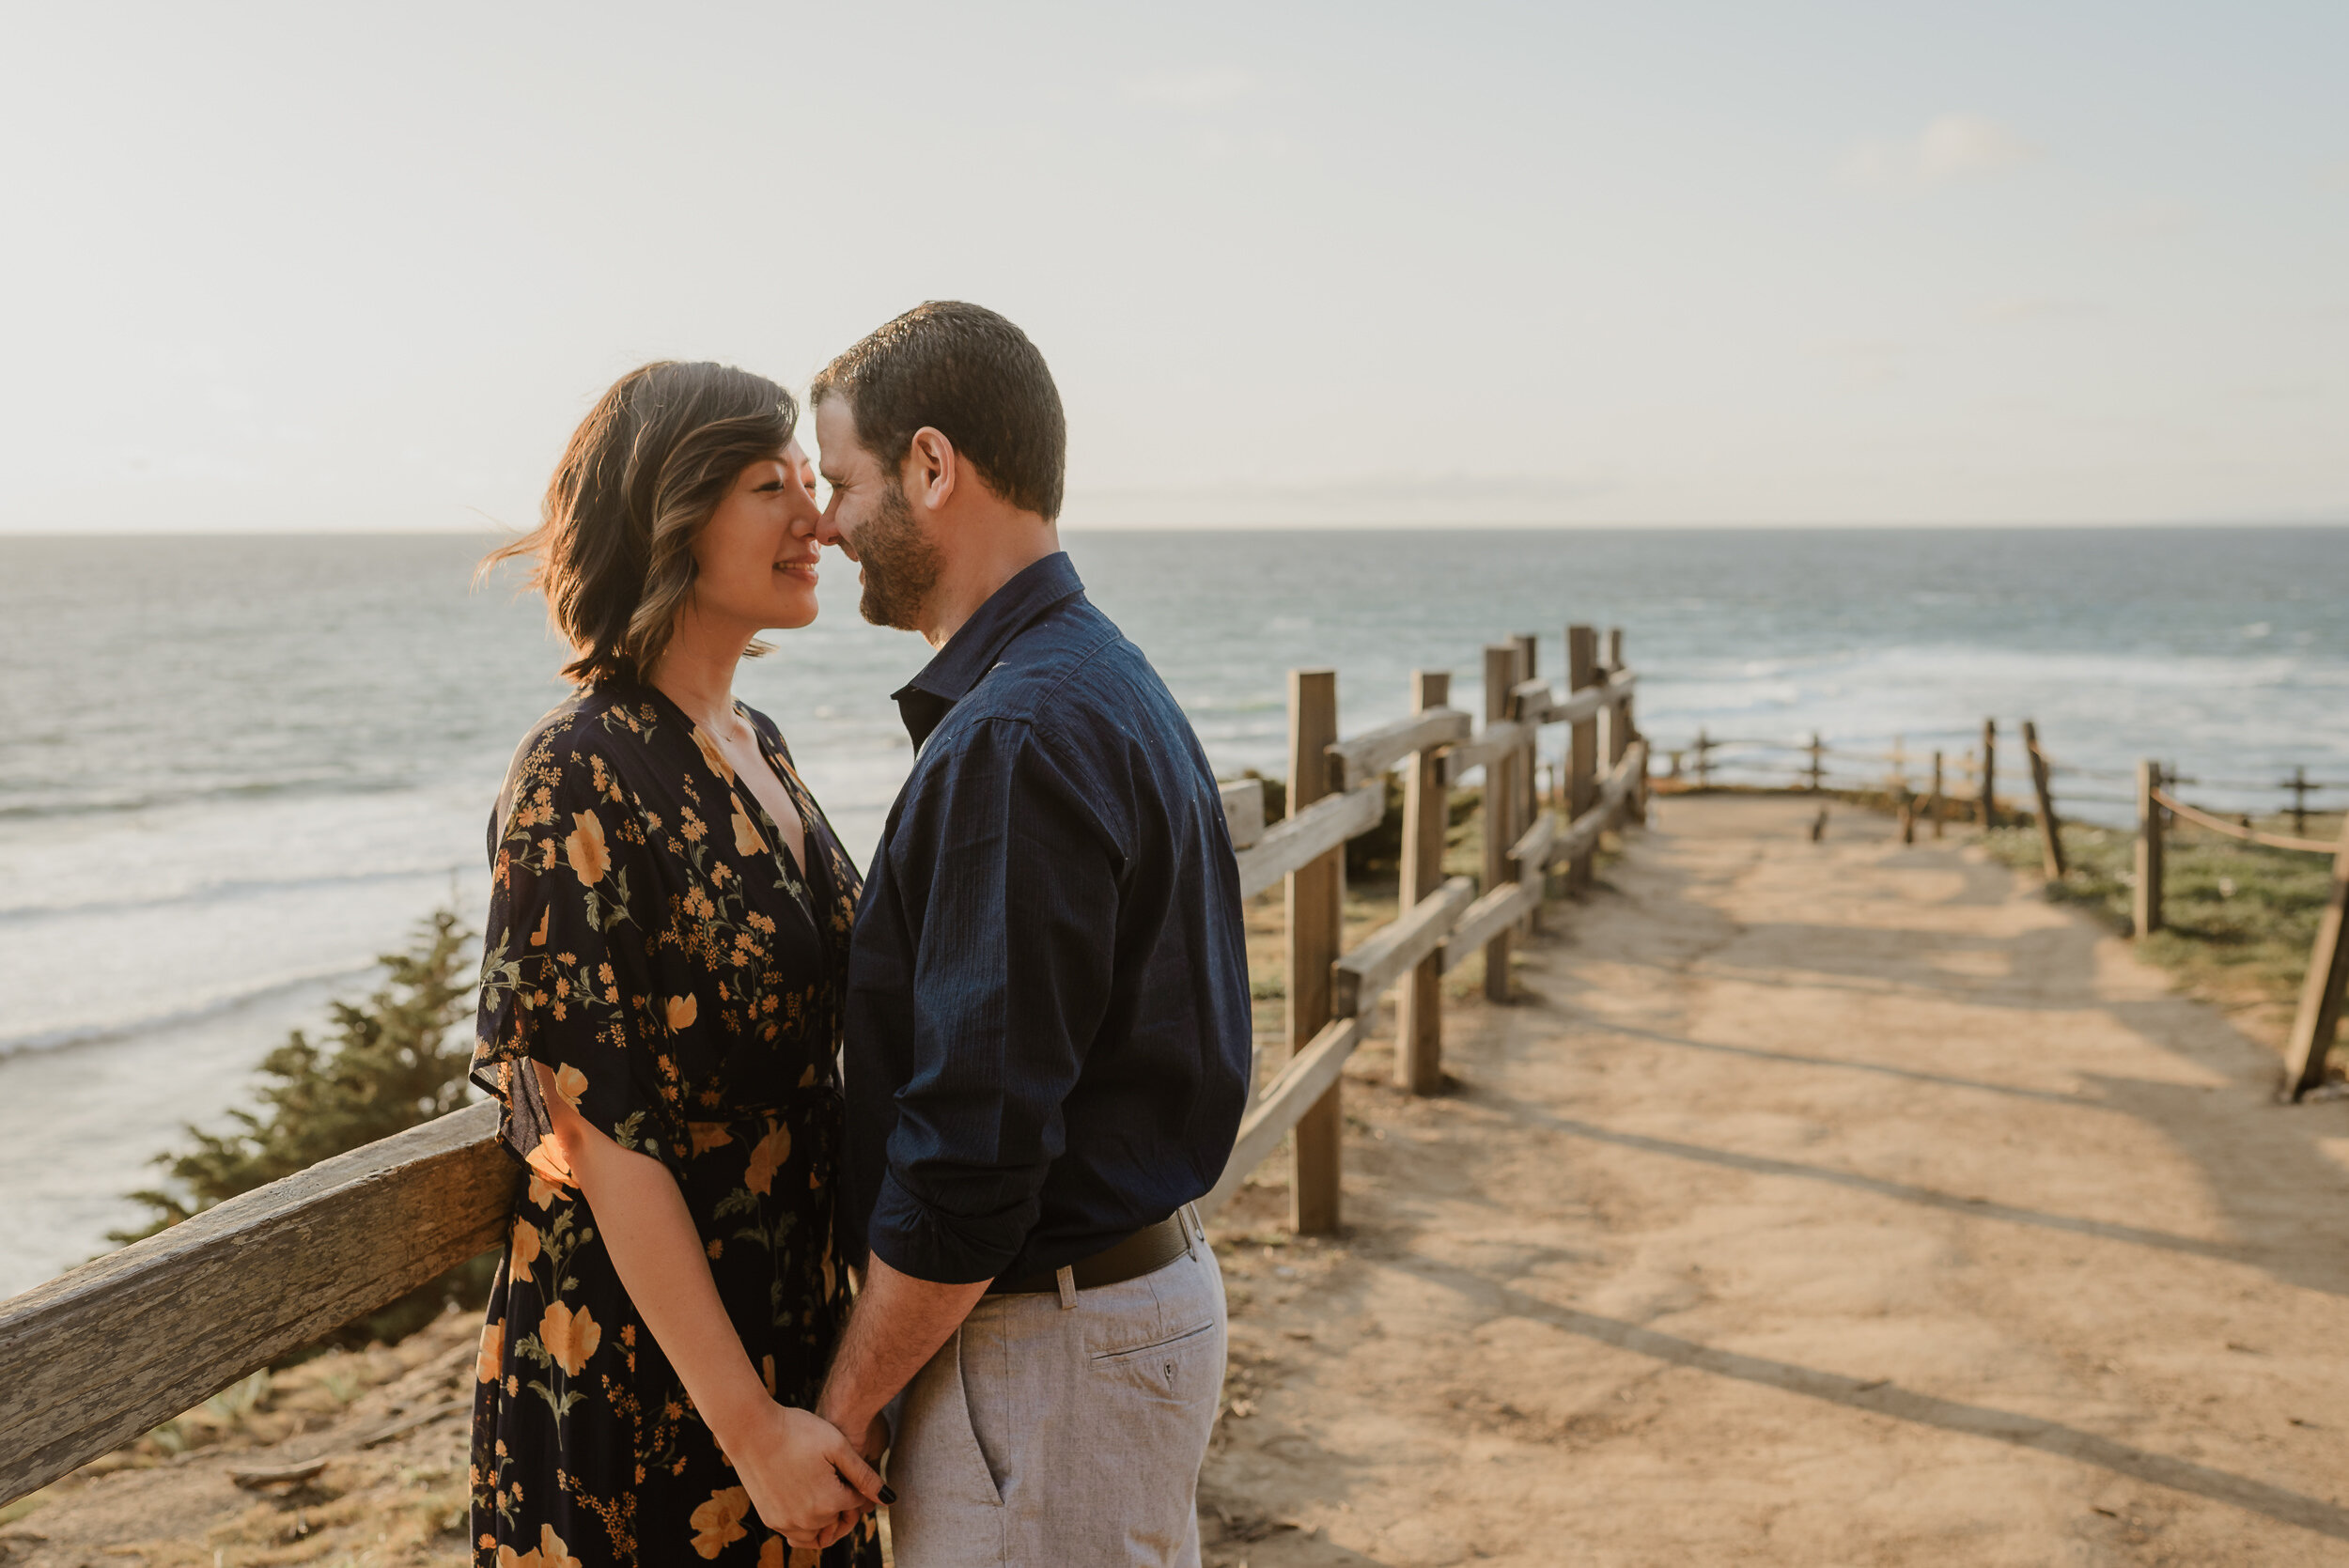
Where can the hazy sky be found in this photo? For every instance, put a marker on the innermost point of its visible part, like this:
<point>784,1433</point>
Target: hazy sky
<point>362,267</point>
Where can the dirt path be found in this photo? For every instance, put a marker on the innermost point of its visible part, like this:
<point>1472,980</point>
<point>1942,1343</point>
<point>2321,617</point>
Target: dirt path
<point>1817,1204</point>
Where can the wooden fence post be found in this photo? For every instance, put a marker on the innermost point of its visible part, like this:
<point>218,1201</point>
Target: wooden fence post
<point>2300,787</point>
<point>1582,764</point>
<point>1622,730</point>
<point>1525,789</point>
<point>1704,767</point>
<point>1817,753</point>
<point>2050,833</point>
<point>2147,905</point>
<point>1315,899</point>
<point>1501,669</point>
<point>1426,817</point>
<point>1936,795</point>
<point>1989,774</point>
<point>2319,1018</point>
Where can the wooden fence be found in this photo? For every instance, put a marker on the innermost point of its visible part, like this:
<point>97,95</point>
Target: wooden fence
<point>1815,766</point>
<point>105,1352</point>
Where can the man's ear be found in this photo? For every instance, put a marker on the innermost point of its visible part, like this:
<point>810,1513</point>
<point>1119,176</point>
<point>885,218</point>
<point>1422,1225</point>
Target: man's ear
<point>933,467</point>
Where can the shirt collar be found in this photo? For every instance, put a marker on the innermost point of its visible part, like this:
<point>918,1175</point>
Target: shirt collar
<point>974,648</point>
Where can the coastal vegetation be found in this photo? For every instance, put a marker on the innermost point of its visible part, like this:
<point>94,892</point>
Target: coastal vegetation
<point>390,1063</point>
<point>2240,918</point>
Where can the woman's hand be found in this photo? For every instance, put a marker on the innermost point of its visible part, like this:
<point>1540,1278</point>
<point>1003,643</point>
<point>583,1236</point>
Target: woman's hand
<point>806,1480</point>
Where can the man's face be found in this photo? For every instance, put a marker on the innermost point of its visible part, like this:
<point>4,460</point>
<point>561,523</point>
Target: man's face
<point>871,521</point>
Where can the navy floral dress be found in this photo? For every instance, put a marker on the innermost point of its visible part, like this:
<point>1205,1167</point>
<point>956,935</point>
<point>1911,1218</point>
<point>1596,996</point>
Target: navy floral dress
<point>652,942</point>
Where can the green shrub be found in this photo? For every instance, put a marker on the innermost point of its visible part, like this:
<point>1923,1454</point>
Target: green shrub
<point>391,1063</point>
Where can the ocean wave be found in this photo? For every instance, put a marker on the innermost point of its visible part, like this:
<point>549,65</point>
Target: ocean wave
<point>224,889</point>
<point>85,803</point>
<point>227,1000</point>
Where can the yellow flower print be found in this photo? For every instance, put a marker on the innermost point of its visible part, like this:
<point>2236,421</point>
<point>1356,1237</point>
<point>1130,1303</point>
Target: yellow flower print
<point>682,1011</point>
<point>746,837</point>
<point>490,1359</point>
<point>718,1523</point>
<point>709,1135</point>
<point>542,1191</point>
<point>767,1159</point>
<point>570,1083</point>
<point>694,828</point>
<point>710,754</point>
<point>525,1245</point>
<point>570,1337</point>
<point>538,938</point>
<point>584,848</point>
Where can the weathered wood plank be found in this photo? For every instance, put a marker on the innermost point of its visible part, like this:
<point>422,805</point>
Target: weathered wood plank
<point>1357,762</point>
<point>1243,811</point>
<point>1504,667</point>
<point>1301,1086</point>
<point>1304,838</point>
<point>1363,976</point>
<point>1533,699</point>
<point>105,1352</point>
<point>1497,742</point>
<point>1426,817</point>
<point>2321,992</point>
<point>1489,916</point>
<point>1532,849</point>
<point>1315,906</point>
<point>1580,836</point>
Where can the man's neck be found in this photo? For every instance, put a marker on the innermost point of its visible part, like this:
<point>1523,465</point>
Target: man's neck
<point>969,583</point>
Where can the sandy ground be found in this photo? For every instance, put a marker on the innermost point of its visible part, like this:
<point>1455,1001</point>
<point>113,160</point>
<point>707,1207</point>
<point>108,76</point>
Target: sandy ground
<point>1815,1204</point>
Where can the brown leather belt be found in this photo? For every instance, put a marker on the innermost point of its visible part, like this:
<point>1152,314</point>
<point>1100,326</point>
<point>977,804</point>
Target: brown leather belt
<point>1145,1251</point>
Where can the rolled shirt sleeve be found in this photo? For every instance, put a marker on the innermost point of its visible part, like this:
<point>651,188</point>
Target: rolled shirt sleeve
<point>1017,876</point>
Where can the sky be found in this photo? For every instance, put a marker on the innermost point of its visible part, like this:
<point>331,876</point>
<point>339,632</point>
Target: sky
<point>331,267</point>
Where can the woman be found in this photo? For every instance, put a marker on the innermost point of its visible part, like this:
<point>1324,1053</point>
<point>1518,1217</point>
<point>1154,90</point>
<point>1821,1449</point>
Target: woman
<point>659,1009</point>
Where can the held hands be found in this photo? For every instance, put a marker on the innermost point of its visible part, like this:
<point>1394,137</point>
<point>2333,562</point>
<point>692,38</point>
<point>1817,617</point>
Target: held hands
<point>805,1478</point>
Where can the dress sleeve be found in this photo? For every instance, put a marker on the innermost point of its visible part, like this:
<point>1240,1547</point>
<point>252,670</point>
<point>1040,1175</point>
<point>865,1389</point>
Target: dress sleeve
<point>565,978</point>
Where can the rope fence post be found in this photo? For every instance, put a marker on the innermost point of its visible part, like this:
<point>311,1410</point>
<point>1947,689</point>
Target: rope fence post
<point>1583,766</point>
<point>1818,752</point>
<point>1705,767</point>
<point>1427,815</point>
<point>2300,787</point>
<point>1934,805</point>
<point>2050,834</point>
<point>1500,670</point>
<point>1623,729</point>
<point>2319,1017</point>
<point>2146,906</point>
<point>1315,897</point>
<point>1989,774</point>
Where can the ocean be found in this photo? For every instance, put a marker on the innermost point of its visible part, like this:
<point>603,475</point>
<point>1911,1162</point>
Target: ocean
<point>233,769</point>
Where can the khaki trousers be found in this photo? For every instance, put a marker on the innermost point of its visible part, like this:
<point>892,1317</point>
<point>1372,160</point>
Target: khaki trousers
<point>1054,1435</point>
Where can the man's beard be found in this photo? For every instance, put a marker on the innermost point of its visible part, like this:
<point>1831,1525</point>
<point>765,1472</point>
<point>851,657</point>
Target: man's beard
<point>899,563</point>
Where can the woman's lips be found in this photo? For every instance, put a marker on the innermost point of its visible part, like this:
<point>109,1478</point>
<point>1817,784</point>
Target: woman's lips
<point>803,569</point>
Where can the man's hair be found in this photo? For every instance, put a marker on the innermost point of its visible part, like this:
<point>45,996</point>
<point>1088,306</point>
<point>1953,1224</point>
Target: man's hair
<point>647,467</point>
<point>973,377</point>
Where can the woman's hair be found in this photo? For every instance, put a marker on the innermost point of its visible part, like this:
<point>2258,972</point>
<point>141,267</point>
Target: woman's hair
<point>613,551</point>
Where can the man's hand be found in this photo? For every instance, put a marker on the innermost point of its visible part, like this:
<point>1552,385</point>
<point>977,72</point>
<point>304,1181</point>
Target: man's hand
<point>806,1480</point>
<point>897,1323</point>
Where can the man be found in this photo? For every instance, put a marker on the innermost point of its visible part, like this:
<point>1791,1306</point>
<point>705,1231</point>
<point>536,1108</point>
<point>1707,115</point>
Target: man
<point>1047,1017</point>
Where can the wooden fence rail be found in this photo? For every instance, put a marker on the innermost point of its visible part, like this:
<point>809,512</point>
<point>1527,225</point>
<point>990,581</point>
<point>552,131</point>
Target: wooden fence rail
<point>105,1352</point>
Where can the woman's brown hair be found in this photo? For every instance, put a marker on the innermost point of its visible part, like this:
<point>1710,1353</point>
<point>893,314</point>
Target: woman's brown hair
<point>613,551</point>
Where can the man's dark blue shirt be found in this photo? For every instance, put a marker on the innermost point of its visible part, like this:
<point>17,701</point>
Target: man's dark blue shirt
<point>1049,1032</point>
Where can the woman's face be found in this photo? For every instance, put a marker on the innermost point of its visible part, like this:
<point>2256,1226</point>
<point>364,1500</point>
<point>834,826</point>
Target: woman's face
<point>754,559</point>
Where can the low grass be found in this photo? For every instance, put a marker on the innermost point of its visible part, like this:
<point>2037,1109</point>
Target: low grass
<point>2240,918</point>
